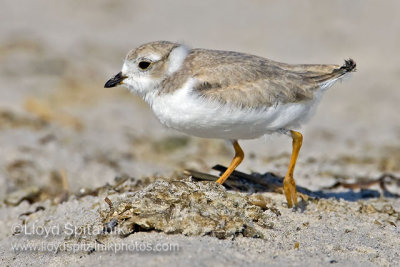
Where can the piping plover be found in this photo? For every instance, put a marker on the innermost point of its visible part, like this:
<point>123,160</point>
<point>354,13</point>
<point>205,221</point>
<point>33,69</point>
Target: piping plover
<point>227,95</point>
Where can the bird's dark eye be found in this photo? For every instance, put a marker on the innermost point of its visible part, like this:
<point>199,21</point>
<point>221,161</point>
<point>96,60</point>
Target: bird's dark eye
<point>144,64</point>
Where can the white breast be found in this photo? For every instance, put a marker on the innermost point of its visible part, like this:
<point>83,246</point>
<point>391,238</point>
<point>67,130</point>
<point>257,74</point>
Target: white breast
<point>184,111</point>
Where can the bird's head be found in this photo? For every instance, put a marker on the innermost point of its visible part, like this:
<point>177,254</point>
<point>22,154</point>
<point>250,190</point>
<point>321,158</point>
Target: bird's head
<point>147,66</point>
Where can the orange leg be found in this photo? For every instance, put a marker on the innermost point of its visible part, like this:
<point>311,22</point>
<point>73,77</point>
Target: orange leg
<point>289,186</point>
<point>239,156</point>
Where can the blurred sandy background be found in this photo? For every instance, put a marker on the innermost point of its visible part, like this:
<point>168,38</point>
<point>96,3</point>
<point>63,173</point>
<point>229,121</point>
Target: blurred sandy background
<point>55,115</point>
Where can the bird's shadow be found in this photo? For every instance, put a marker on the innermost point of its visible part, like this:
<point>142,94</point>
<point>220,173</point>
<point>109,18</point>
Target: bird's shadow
<point>269,182</point>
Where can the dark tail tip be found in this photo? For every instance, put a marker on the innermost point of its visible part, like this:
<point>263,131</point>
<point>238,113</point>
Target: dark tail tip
<point>349,65</point>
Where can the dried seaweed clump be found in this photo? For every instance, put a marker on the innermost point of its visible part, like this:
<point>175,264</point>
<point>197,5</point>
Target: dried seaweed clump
<point>201,208</point>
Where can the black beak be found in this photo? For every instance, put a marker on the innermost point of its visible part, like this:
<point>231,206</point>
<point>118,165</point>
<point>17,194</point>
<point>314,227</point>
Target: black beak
<point>114,81</point>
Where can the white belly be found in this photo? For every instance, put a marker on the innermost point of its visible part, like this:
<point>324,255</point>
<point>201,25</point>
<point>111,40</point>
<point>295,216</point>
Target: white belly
<point>193,115</point>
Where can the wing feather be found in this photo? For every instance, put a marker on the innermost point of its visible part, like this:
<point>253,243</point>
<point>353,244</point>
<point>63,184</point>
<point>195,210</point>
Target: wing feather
<point>250,81</point>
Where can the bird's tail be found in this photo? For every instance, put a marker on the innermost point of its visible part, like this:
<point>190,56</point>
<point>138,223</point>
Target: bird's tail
<point>337,73</point>
<point>348,66</point>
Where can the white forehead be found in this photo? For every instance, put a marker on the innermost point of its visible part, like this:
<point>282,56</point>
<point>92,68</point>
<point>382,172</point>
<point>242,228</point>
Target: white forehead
<point>126,67</point>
